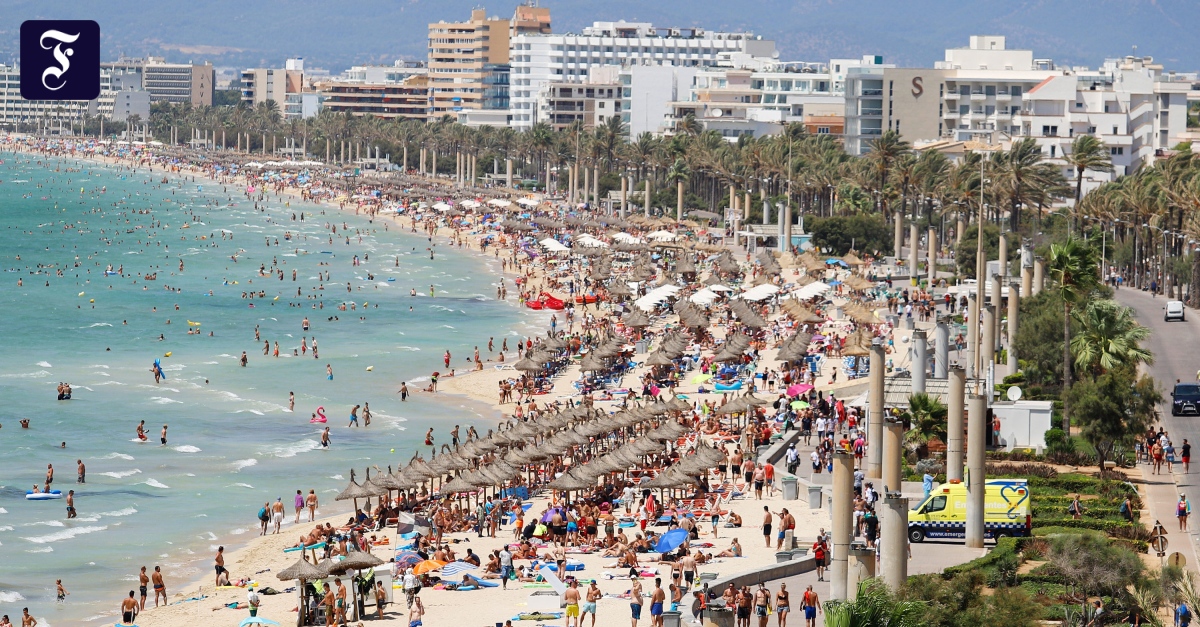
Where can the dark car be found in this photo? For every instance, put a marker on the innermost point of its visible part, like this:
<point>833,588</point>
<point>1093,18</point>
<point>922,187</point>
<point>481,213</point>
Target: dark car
<point>1185,399</point>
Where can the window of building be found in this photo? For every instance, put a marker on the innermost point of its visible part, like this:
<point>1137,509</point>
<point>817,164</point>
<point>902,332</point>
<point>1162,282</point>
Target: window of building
<point>964,109</point>
<point>1115,131</point>
<point>1116,150</point>
<point>822,130</point>
<point>1053,148</point>
<point>989,90</point>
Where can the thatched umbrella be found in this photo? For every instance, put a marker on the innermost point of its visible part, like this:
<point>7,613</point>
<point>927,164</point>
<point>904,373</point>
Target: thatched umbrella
<point>527,365</point>
<point>354,491</point>
<point>355,561</point>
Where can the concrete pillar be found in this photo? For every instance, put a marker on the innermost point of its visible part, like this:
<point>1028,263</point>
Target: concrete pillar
<point>914,237</point>
<point>875,413</point>
<point>898,235</point>
<point>932,248</point>
<point>959,225</point>
<point>584,194</point>
<point>1003,256</point>
<point>1039,275</point>
<point>893,452</point>
<point>972,331</point>
<point>860,567</point>
<point>954,423</point>
<point>624,195</point>
<point>976,419</point>
<point>1026,281</point>
<point>596,185</point>
<point>1012,326</point>
<point>941,359</point>
<point>787,228</point>
<point>920,360</point>
<point>996,301</point>
<point>987,352</point>
<point>843,523</point>
<point>508,173</point>
<point>893,559</point>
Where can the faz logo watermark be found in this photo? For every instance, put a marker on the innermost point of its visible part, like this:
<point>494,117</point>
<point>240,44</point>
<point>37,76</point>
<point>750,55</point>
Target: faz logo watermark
<point>60,60</point>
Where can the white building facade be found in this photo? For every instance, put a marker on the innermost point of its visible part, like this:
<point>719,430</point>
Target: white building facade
<point>537,59</point>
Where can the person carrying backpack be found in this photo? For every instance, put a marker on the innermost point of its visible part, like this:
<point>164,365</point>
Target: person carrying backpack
<point>1183,616</point>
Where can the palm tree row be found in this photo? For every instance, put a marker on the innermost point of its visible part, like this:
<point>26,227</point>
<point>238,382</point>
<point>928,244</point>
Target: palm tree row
<point>810,172</point>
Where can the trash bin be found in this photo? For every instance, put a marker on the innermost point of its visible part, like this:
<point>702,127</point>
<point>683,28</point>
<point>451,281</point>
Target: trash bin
<point>790,492</point>
<point>641,346</point>
<point>783,556</point>
<point>814,497</point>
<point>671,619</point>
<point>908,323</point>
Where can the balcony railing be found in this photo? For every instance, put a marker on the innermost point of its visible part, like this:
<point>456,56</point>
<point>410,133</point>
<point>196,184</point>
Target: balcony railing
<point>872,92</point>
<point>871,112</point>
<point>872,131</point>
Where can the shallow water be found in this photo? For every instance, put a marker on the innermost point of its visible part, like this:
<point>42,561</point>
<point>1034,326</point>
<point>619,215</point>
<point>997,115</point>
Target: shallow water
<point>232,443</point>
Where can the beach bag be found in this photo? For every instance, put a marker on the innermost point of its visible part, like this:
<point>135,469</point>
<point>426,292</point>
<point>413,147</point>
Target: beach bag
<point>262,515</point>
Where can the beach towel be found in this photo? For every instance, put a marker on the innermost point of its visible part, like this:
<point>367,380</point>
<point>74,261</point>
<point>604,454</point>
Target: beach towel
<point>482,583</point>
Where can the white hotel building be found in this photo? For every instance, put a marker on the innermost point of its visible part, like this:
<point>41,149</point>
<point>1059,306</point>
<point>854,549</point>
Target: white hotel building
<point>994,95</point>
<point>538,59</point>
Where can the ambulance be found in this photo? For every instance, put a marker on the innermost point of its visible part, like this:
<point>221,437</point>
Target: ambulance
<point>944,513</point>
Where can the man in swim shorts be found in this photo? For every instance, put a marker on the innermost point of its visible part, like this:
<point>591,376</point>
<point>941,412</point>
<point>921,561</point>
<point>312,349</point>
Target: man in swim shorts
<point>160,588</point>
<point>571,599</point>
<point>589,606</point>
<point>656,603</point>
<point>277,513</point>
<point>219,564</point>
<point>143,582</point>
<point>635,600</point>
<point>129,609</point>
<point>163,438</point>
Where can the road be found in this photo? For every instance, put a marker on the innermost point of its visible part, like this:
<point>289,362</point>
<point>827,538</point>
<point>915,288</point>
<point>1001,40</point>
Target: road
<point>1176,349</point>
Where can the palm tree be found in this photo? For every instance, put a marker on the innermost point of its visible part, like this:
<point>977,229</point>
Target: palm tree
<point>1087,153</point>
<point>1108,337</point>
<point>1020,177</point>
<point>927,417</point>
<point>1072,265</point>
<point>875,606</point>
<point>884,152</point>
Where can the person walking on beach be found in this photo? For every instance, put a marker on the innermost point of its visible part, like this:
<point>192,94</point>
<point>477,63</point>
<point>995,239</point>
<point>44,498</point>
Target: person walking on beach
<point>635,600</point>
<point>657,598</point>
<point>403,391</point>
<point>277,513</point>
<point>353,417</point>
<point>571,600</point>
<point>299,503</point>
<point>446,358</point>
<point>415,613</point>
<point>60,592</point>
<point>71,504</point>
<point>311,503</point>
<point>589,606</point>
<point>328,601</point>
<point>160,588</point>
<point>340,616</point>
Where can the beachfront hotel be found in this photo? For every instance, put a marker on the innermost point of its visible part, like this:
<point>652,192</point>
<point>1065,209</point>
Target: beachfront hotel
<point>990,95</point>
<point>538,59</point>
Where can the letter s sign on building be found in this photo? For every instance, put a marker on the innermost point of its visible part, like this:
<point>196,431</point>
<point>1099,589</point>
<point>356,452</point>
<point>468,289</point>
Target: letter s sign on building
<point>60,60</point>
<point>918,86</point>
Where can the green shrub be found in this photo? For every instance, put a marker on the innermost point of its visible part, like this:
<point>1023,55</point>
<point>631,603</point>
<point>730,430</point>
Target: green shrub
<point>1058,442</point>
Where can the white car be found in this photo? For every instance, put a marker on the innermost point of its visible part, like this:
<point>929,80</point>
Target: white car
<point>1174,311</point>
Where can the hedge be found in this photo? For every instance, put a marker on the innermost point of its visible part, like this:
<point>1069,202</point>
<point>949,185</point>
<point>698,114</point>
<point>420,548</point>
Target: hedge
<point>1005,548</point>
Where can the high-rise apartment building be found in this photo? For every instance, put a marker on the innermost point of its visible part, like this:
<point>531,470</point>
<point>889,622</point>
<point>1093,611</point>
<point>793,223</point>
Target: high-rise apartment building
<point>178,82</point>
<point>464,58</point>
<point>538,59</point>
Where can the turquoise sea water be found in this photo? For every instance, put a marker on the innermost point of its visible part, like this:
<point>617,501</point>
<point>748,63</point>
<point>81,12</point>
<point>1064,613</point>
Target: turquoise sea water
<point>232,444</point>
